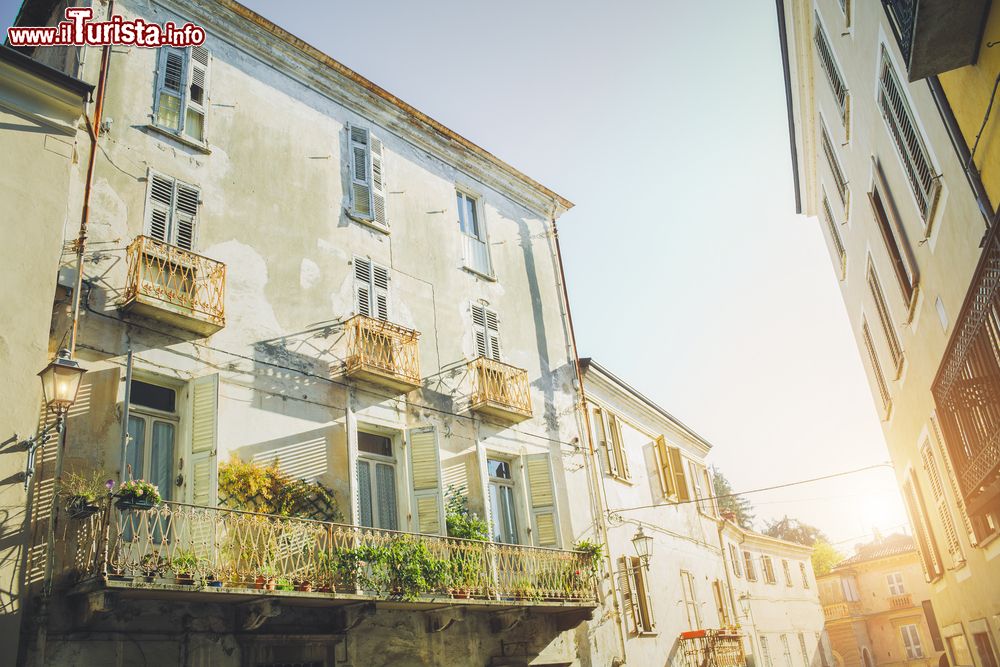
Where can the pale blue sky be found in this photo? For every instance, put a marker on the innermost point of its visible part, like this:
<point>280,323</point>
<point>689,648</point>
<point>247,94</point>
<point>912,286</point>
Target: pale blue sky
<point>690,275</point>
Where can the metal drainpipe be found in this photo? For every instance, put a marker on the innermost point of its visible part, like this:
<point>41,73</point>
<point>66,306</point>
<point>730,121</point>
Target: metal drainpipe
<point>595,479</point>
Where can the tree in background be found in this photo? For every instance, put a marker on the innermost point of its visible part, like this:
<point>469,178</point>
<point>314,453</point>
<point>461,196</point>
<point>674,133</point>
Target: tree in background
<point>740,507</point>
<point>824,557</point>
<point>793,530</point>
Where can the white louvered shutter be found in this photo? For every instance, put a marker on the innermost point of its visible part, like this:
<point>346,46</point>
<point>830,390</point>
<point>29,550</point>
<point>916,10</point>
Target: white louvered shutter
<point>602,425</point>
<point>663,467</point>
<point>170,81</point>
<point>159,204</point>
<point>363,285</point>
<point>361,186</point>
<point>619,447</point>
<point>185,216</point>
<point>425,464</point>
<point>380,292</point>
<point>204,439</point>
<point>680,478</point>
<point>493,334</point>
<point>543,502</point>
<point>629,607</point>
<point>197,97</point>
<point>486,326</point>
<point>378,182</point>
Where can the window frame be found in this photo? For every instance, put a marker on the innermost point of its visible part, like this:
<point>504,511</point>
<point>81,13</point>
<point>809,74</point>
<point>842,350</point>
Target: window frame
<point>749,565</point>
<point>479,212</point>
<point>895,583</point>
<point>833,71</point>
<point>690,596</point>
<point>913,646</point>
<point>734,559</point>
<point>515,497</point>
<point>767,565</point>
<point>172,233</point>
<point>805,574</point>
<point>373,460</point>
<point>894,237</point>
<point>183,94</point>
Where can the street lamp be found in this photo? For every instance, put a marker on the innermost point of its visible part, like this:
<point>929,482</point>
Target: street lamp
<point>60,385</point>
<point>643,544</point>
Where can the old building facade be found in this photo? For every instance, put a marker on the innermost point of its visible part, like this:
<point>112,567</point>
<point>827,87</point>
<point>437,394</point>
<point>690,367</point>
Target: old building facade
<point>891,122</point>
<point>360,299</point>
<point>873,603</point>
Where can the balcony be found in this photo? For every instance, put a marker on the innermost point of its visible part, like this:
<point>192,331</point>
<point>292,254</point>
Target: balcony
<point>185,552</point>
<point>500,391</point>
<point>175,285</point>
<point>936,36</point>
<point>383,353</point>
<point>904,601</point>
<point>839,610</point>
<point>722,648</point>
<point>967,387</point>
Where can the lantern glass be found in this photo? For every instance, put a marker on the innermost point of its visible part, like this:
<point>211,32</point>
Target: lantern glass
<point>61,382</point>
<point>643,544</point>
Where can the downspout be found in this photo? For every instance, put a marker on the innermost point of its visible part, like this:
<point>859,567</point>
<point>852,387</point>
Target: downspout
<point>595,479</point>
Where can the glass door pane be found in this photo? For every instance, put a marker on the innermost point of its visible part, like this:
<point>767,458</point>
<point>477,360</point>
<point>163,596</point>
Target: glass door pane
<point>134,454</point>
<point>365,494</point>
<point>385,477</point>
<point>161,459</point>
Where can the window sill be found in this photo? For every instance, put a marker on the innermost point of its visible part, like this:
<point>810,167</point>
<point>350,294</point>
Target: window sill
<point>485,276</point>
<point>371,224</point>
<point>200,146</point>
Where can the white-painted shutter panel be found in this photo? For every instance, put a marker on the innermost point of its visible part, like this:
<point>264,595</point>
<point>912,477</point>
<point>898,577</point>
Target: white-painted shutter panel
<point>363,285</point>
<point>371,288</point>
<point>619,446</point>
<point>663,466</point>
<point>630,607</point>
<point>680,478</point>
<point>204,439</point>
<point>185,216</point>
<point>543,502</point>
<point>159,204</point>
<point>479,328</point>
<point>493,333</point>
<point>197,97</point>
<point>170,80</point>
<point>378,182</point>
<point>486,326</point>
<point>601,425</point>
<point>361,186</point>
<point>426,467</point>
<point>380,292</point>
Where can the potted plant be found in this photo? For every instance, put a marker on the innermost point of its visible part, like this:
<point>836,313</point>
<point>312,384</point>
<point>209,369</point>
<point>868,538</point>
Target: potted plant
<point>137,494</point>
<point>266,579</point>
<point>184,565</point>
<point>284,585</point>
<point>153,565</point>
<point>465,568</point>
<point>303,585</point>
<point>81,492</point>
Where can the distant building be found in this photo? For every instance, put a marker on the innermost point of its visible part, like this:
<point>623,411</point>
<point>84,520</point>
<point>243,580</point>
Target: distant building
<point>874,603</point>
<point>895,127</point>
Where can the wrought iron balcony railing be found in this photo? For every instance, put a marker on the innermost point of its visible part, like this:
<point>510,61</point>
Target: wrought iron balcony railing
<point>967,387</point>
<point>721,648</point>
<point>500,390</point>
<point>173,545</point>
<point>383,352</point>
<point>901,15</point>
<point>177,285</point>
<point>936,36</point>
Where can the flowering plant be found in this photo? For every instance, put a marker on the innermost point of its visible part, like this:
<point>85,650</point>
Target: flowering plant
<point>139,489</point>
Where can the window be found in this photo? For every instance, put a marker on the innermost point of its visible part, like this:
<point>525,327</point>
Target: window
<point>786,649</point>
<point>377,481</point>
<point>690,600</point>
<point>748,563</point>
<point>944,512</point>
<point>805,575</point>
<point>890,230</point>
<point>905,135</point>
<point>984,648</point>
<point>701,484</point>
<point>768,570</point>
<point>637,602</point>
<point>171,211</point>
<point>611,444</point>
<point>885,319</point>
<point>876,367</point>
<point>838,243</point>
<point>911,642</point>
<point>734,560</point>
<point>765,652</point>
<point>926,544</point>
<point>503,514</point>
<point>721,603</point>
<point>181,91</point>
<point>895,581</point>
<point>670,466</point>
<point>805,651</point>
<point>849,585</point>
<point>788,572</point>
<point>959,649</point>
<point>371,289</point>
<point>845,6</point>
<point>833,75</point>
<point>486,328</point>
<point>152,432</point>
<point>822,650</point>
<point>368,201</point>
<point>976,528</point>
<point>835,169</point>
<point>477,249</point>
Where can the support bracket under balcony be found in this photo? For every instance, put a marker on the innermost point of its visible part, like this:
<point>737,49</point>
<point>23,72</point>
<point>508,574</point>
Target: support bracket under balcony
<point>570,619</point>
<point>506,620</point>
<point>440,620</point>
<point>95,604</point>
<point>257,613</point>
<point>349,617</point>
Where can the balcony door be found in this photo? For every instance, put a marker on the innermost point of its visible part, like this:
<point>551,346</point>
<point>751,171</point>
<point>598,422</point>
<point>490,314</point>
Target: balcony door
<point>152,435</point>
<point>377,475</point>
<point>503,513</point>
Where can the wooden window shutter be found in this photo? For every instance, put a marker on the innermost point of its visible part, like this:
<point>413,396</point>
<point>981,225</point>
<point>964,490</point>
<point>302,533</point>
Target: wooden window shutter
<point>360,160</point>
<point>363,286</point>
<point>720,603</point>
<point>644,599</point>
<point>172,211</point>
<point>186,216</point>
<point>380,291</point>
<point>619,447</point>
<point>543,503</point>
<point>197,93</point>
<point>172,71</point>
<point>663,466</point>
<point>602,422</point>
<point>204,439</point>
<point>680,479</point>
<point>486,328</point>
<point>426,468</point>
<point>159,205</point>
<point>918,518</point>
<point>629,608</point>
<point>378,182</point>
<point>493,334</point>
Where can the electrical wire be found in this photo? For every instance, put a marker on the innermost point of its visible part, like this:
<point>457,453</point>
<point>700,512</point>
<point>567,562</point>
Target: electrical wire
<point>749,491</point>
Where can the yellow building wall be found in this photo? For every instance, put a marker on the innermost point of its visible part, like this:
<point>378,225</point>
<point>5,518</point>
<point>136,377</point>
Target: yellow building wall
<point>968,90</point>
